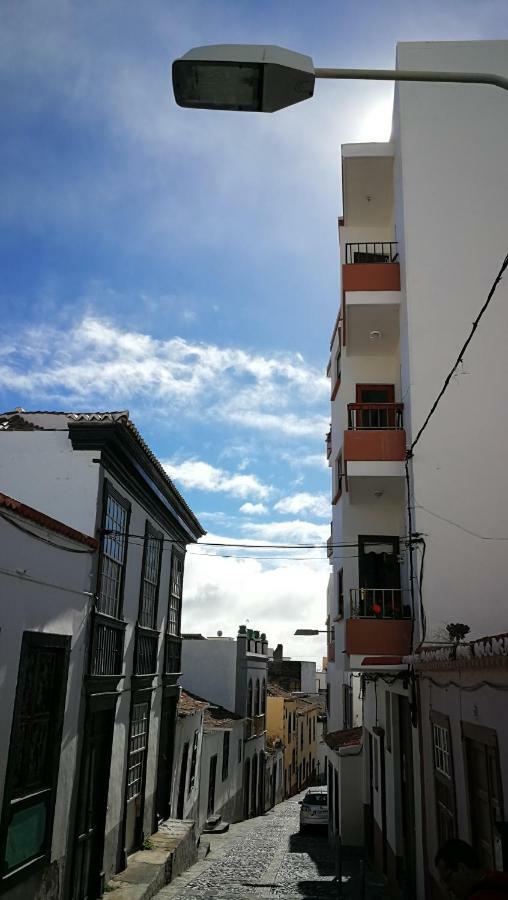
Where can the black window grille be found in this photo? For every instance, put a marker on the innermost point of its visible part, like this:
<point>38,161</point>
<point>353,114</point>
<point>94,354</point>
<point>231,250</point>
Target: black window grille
<point>239,751</point>
<point>113,553</point>
<point>173,655</point>
<point>152,555</point>
<point>34,752</point>
<point>258,695</point>
<point>137,749</point>
<point>249,699</point>
<point>225,755</point>
<point>444,786</point>
<point>347,706</point>
<point>175,596</point>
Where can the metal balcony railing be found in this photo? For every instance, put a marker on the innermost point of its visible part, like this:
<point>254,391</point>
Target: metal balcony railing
<point>372,252</point>
<point>145,660</point>
<point>375,416</point>
<point>172,655</point>
<point>107,645</point>
<point>328,439</point>
<point>379,603</point>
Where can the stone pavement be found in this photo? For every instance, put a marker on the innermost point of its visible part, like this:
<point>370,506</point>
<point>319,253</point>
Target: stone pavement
<point>267,858</point>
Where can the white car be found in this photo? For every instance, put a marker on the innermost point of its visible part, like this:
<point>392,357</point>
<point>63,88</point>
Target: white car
<point>314,808</point>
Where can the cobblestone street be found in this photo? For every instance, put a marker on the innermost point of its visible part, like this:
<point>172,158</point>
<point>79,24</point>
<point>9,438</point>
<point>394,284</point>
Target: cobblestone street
<point>267,857</point>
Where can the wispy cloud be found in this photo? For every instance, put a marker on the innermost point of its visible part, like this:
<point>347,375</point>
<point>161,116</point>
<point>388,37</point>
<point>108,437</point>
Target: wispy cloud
<point>253,509</point>
<point>97,361</point>
<point>205,477</point>
<point>314,504</point>
<point>292,531</point>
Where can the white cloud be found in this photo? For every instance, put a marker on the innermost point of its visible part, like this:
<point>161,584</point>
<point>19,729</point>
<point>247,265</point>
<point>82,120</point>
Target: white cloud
<point>96,361</point>
<point>253,509</point>
<point>295,531</point>
<point>194,473</point>
<point>315,504</point>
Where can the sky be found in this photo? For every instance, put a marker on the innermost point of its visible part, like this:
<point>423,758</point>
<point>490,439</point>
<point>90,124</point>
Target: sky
<point>182,264</point>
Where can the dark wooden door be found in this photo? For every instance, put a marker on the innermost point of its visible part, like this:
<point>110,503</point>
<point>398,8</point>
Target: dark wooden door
<point>407,798</point>
<point>485,800</point>
<point>165,760</point>
<point>246,790</point>
<point>379,576</point>
<point>211,785</point>
<point>372,416</point>
<point>93,797</point>
<point>183,779</point>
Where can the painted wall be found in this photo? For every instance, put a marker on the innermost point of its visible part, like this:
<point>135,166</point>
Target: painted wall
<point>56,602</point>
<point>209,669</point>
<point>228,793</point>
<point>186,728</point>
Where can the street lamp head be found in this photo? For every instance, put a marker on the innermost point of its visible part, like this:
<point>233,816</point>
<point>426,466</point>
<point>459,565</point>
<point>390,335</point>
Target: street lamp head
<point>246,77</point>
<point>306,632</point>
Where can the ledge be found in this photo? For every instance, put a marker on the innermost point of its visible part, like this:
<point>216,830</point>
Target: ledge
<point>174,849</point>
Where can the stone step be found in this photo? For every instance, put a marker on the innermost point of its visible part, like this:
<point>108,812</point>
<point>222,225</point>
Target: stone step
<point>220,828</point>
<point>213,820</point>
<point>203,849</point>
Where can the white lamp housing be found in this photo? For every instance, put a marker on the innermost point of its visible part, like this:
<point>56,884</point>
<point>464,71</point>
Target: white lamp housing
<point>247,77</point>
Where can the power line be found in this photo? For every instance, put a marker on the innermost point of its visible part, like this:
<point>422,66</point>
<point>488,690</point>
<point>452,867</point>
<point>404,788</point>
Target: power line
<point>459,359</point>
<point>481,537</point>
<point>39,537</point>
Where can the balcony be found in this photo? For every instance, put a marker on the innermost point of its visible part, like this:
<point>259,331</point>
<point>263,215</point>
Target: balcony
<point>371,289</point>
<point>172,655</point>
<point>329,546</point>
<point>145,656</point>
<point>379,622</point>
<point>107,646</point>
<point>328,439</point>
<point>374,450</point>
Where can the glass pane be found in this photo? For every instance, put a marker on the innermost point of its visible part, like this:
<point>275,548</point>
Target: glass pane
<point>25,836</point>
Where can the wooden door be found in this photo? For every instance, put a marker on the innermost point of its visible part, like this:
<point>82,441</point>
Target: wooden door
<point>165,760</point>
<point>183,779</point>
<point>373,417</point>
<point>485,799</point>
<point>211,785</point>
<point>93,797</point>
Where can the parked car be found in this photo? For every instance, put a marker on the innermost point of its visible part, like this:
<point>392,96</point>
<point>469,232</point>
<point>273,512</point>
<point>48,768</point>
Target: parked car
<point>314,808</point>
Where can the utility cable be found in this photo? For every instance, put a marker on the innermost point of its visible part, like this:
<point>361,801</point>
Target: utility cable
<point>459,359</point>
<point>39,537</point>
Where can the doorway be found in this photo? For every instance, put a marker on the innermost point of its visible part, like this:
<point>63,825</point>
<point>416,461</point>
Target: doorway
<point>379,577</point>
<point>211,785</point>
<point>407,798</point>
<point>92,805</point>
<point>485,792</point>
<point>183,780</point>
<point>375,414</point>
<point>165,760</point>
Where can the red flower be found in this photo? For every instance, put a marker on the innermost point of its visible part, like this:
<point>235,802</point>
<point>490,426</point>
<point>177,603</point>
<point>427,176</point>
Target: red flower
<point>376,609</point>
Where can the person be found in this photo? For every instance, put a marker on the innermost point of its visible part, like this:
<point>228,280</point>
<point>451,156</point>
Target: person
<point>463,875</point>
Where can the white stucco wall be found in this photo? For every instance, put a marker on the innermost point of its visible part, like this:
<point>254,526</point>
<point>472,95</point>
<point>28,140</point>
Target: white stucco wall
<point>209,670</point>
<point>57,602</point>
<point>228,793</point>
<point>452,220</point>
<point>186,728</point>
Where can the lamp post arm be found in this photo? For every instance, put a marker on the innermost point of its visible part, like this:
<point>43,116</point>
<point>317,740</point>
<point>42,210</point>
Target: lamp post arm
<point>413,75</point>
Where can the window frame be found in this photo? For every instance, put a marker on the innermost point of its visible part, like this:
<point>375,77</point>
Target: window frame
<point>60,645</point>
<point>340,593</point>
<point>194,759</point>
<point>109,491</point>
<point>151,533</point>
<point>226,746</point>
<point>440,724</point>
<point>176,558</point>
<point>142,749</point>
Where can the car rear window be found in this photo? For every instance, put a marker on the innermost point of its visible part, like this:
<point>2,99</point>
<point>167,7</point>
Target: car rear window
<point>315,800</point>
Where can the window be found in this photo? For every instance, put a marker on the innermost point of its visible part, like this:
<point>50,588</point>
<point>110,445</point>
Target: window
<point>34,751</point>
<point>444,788</point>
<point>239,751</point>
<point>115,525</point>
<point>388,720</point>
<point>175,596</point>
<point>257,706</point>
<point>192,775</point>
<point>263,697</point>
<point>152,555</point>
<point>137,749</point>
<point>225,755</point>
<point>485,792</point>
<point>249,699</point>
<point>375,764</point>
<point>347,706</point>
<point>339,476</point>
<point>340,593</point>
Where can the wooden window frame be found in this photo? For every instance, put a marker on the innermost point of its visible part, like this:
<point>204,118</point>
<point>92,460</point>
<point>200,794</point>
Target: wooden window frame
<point>60,644</point>
<point>176,558</point>
<point>443,776</point>
<point>110,492</point>
<point>151,534</point>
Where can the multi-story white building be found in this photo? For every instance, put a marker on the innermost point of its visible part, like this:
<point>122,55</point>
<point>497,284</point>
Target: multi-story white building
<point>95,473</point>
<point>422,237</point>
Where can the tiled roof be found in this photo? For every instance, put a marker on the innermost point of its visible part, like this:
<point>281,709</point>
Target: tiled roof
<point>274,690</point>
<point>40,518</point>
<point>40,420</point>
<point>188,704</point>
<point>346,737</point>
<point>214,716</point>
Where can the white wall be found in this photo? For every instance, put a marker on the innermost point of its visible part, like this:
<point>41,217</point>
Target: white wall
<point>452,221</point>
<point>186,728</point>
<point>308,670</point>
<point>55,602</point>
<point>228,793</point>
<point>209,670</point>
<point>41,469</point>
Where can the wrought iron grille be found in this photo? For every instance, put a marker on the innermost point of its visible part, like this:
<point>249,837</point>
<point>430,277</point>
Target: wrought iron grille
<point>375,416</point>
<point>107,646</point>
<point>372,252</point>
<point>150,580</point>
<point>379,603</point>
<point>112,556</point>
<point>173,655</point>
<point>175,596</point>
<point>147,641</point>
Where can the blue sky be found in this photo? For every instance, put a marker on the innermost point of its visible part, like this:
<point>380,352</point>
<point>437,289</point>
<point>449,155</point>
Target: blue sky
<point>183,264</point>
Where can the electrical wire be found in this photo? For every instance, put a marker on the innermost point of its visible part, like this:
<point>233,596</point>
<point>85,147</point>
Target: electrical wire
<point>459,359</point>
<point>39,537</point>
<point>481,537</point>
<point>464,687</point>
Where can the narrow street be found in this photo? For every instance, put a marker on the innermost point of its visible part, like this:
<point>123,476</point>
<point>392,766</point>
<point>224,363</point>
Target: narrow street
<point>267,857</point>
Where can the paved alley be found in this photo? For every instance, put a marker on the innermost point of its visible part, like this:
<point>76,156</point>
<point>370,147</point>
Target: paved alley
<point>267,857</point>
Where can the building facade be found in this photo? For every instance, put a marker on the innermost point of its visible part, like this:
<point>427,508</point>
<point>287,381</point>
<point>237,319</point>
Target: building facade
<point>406,547</point>
<point>95,473</point>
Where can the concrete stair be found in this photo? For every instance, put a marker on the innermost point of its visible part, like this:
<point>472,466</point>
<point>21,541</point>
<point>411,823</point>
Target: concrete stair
<point>215,825</point>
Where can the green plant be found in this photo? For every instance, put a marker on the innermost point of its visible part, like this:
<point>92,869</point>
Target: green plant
<point>147,844</point>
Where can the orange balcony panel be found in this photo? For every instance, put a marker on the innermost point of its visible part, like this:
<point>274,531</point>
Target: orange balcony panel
<point>372,444</point>
<point>371,277</point>
<point>384,637</point>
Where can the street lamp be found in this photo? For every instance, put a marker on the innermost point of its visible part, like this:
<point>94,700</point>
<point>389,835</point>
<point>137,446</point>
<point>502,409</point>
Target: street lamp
<point>308,632</point>
<point>265,78</point>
